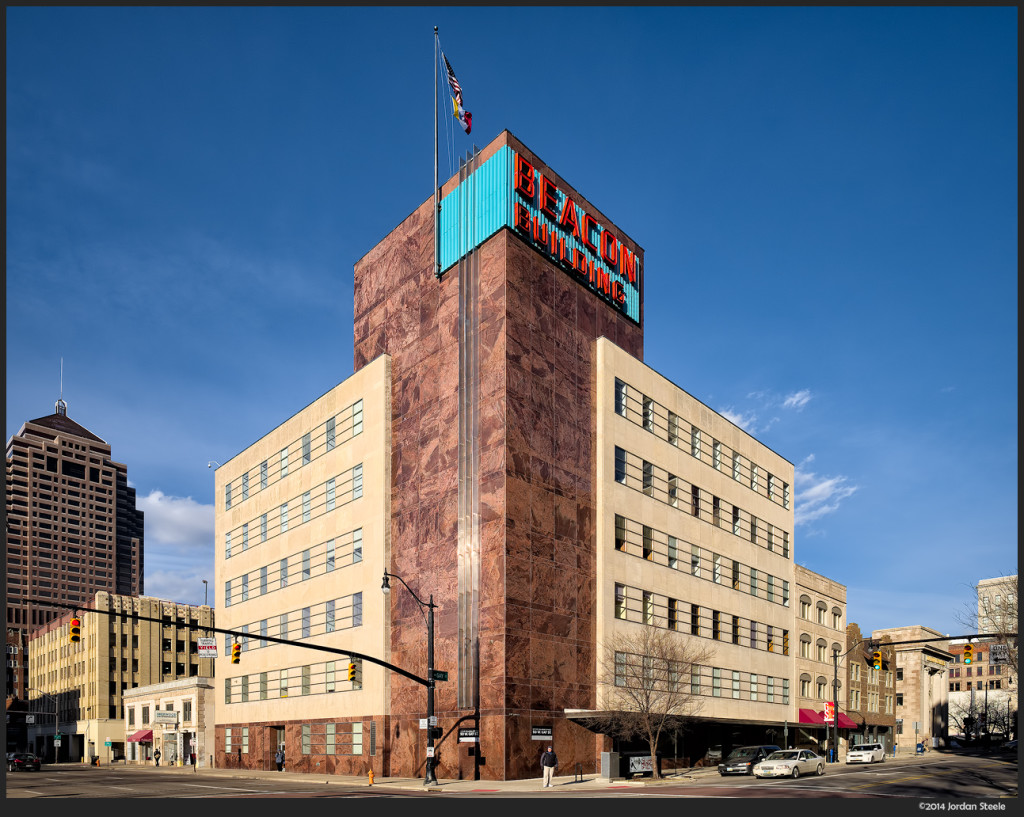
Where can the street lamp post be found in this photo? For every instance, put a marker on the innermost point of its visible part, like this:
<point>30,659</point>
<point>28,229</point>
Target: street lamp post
<point>429,778</point>
<point>835,697</point>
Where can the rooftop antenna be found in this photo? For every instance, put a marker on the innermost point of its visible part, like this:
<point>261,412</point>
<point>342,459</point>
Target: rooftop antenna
<point>62,407</point>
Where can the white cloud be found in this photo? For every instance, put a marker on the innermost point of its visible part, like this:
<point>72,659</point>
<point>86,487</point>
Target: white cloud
<point>797,400</point>
<point>176,521</point>
<point>815,496</point>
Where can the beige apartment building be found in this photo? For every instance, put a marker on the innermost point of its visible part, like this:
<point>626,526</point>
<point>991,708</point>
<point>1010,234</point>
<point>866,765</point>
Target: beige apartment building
<point>694,534</point>
<point>821,635</point>
<point>303,535</point>
<point>922,694</point>
<point>149,641</point>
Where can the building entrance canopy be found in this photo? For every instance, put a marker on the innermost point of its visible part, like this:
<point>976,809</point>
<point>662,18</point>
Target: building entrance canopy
<point>142,736</point>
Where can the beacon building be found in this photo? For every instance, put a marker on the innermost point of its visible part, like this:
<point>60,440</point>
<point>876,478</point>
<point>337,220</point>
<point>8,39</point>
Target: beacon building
<point>502,450</point>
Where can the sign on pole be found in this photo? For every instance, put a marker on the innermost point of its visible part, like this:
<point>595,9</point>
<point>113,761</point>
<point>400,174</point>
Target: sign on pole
<point>830,711</point>
<point>469,736</point>
<point>206,647</point>
<point>540,733</point>
<point>999,654</point>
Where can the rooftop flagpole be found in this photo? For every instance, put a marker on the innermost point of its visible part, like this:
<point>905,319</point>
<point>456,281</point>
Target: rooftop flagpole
<point>437,206</point>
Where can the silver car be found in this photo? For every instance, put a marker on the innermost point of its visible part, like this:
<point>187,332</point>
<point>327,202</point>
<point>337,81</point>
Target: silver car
<point>866,753</point>
<point>790,763</point>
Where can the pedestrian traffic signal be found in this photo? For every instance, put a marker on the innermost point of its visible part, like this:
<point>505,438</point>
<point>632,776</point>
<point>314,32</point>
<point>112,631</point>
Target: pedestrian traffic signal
<point>876,659</point>
<point>76,631</point>
<point>968,653</point>
<point>236,653</point>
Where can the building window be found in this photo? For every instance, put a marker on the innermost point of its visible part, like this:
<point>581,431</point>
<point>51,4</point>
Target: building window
<point>695,441</point>
<point>821,613</point>
<point>753,581</point>
<point>330,616</point>
<point>306,564</point>
<point>785,495</point>
<point>673,490</point>
<point>648,543</point>
<point>307,453</point>
<point>648,471</point>
<point>673,614</point>
<point>673,429</point>
<point>695,501</point>
<point>330,434</point>
<point>716,625</point>
<point>284,462</point>
<point>736,471</point>
<point>620,465</point>
<point>753,529</point>
<point>245,486</point>
<point>805,609</point>
<point>716,569</point>
<point>694,619</point>
<point>805,687</point>
<point>735,684</point>
<point>227,545</point>
<point>227,496</point>
<point>284,517</point>
<point>357,609</point>
<point>282,626</point>
<point>263,474</point>
<point>716,682</point>
<point>357,545</point>
<point>735,575</point>
<point>735,520</point>
<point>305,622</point>
<point>648,414</point>
<point>329,562</point>
<point>227,593</point>
<point>283,683</point>
<point>357,426</point>
<point>284,572</point>
<point>357,481</point>
<point>716,455</point>
<point>648,608</point>
<point>620,601</point>
<point>620,532</point>
<point>245,536</point>
<point>263,629</point>
<point>753,687</point>
<point>770,634</point>
<point>822,652</point>
<point>245,588</point>
<point>263,528</point>
<point>822,689</point>
<point>306,506</point>
<point>837,619</point>
<point>620,398</point>
<point>330,494</point>
<point>771,487</point>
<point>673,553</point>
<point>753,478</point>
<point>716,511</point>
<point>695,561</point>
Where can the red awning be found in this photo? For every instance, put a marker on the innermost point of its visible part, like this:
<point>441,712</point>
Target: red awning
<point>142,736</point>
<point>811,717</point>
<point>846,723</point>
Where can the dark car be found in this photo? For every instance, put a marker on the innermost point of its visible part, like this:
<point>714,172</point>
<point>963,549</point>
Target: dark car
<point>23,762</point>
<point>743,759</point>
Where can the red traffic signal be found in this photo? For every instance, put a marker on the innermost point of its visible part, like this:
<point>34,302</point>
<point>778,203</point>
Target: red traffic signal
<point>76,631</point>
<point>236,653</point>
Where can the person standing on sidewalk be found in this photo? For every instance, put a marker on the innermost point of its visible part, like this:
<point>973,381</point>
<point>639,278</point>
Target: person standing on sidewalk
<point>548,763</point>
<point>279,760</point>
<point>156,757</point>
<point>192,760</point>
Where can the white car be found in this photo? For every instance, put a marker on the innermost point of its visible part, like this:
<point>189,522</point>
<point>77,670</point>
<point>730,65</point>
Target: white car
<point>790,763</point>
<point>866,753</point>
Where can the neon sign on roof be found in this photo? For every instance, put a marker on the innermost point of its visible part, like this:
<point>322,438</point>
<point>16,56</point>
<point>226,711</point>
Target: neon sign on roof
<point>507,190</point>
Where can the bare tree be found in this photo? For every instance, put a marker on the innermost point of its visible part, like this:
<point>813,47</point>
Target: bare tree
<point>993,614</point>
<point>646,675</point>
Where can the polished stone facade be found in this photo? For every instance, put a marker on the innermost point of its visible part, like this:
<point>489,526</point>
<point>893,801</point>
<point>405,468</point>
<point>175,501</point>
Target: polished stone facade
<point>537,502</point>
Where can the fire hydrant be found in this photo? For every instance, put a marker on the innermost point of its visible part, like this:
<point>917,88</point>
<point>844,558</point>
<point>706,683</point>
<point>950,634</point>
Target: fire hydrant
<point>371,777</point>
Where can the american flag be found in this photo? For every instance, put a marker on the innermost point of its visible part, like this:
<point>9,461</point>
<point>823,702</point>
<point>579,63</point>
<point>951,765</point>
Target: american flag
<point>454,83</point>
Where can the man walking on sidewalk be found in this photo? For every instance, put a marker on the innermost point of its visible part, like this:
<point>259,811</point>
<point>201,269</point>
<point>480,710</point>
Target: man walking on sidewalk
<point>548,763</point>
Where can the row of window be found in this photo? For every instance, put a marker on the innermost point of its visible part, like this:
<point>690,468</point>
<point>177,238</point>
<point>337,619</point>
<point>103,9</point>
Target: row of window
<point>634,671</point>
<point>655,546</point>
<point>313,561</point>
<point>310,679</point>
<point>632,604</point>
<point>639,474</point>
<point>324,498</point>
<point>995,684</point>
<point>334,614</point>
<point>646,413</point>
<point>822,613</point>
<point>186,712</point>
<point>993,669</point>
<point>338,429</point>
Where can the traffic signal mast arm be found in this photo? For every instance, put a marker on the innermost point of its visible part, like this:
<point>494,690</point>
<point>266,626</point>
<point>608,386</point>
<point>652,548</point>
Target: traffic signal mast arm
<point>120,614</point>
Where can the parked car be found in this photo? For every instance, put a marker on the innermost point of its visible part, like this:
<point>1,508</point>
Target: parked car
<point>714,754</point>
<point>790,763</point>
<point>1011,745</point>
<point>866,753</point>
<point>23,762</point>
<point>743,759</point>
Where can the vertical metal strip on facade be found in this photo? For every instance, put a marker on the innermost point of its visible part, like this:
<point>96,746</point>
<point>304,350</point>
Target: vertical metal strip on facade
<point>467,229</point>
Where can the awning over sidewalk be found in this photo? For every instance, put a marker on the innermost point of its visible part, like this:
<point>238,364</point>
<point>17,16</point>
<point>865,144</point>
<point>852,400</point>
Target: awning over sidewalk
<point>142,736</point>
<point>811,717</point>
<point>846,723</point>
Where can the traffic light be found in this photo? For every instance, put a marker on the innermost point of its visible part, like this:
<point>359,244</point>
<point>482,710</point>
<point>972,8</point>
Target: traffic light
<point>76,631</point>
<point>876,659</point>
<point>236,653</point>
<point>968,653</point>
<point>352,671</point>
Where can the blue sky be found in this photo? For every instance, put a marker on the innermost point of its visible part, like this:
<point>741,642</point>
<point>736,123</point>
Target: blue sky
<point>826,198</point>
